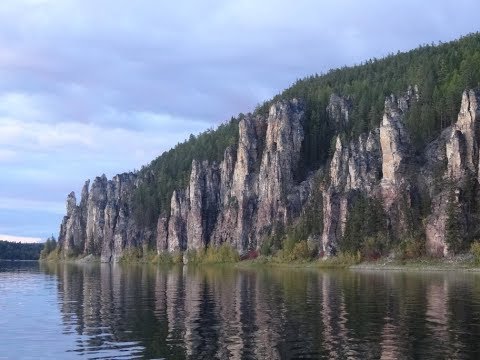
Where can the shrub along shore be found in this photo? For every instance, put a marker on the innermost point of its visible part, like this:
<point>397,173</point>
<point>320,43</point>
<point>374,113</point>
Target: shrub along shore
<point>297,256</point>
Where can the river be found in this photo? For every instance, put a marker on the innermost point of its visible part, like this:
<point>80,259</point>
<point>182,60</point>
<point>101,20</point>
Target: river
<point>62,311</point>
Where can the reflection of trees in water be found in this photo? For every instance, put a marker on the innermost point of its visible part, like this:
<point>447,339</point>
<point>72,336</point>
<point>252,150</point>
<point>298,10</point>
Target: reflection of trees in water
<point>218,312</point>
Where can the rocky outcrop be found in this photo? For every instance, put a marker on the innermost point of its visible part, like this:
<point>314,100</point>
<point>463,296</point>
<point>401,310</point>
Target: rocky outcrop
<point>394,141</point>
<point>384,167</point>
<point>255,191</point>
<point>460,143</point>
<point>374,165</point>
<point>468,125</point>
<point>355,166</point>
<point>203,197</point>
<point>245,198</point>
<point>280,159</point>
<point>436,225</point>
<point>96,203</point>
<point>120,230</point>
<point>462,147</point>
<point>250,192</point>
<point>71,231</point>
<point>102,224</point>
<point>455,150</point>
<point>162,234</point>
<point>177,226</point>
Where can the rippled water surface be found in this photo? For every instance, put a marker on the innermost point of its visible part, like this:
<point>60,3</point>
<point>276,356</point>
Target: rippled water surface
<point>102,311</point>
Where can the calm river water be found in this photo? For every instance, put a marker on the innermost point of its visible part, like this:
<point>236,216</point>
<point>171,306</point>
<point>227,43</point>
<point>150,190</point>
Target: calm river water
<point>106,311</point>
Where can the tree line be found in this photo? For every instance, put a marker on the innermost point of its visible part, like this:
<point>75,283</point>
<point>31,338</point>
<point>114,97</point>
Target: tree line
<point>19,251</point>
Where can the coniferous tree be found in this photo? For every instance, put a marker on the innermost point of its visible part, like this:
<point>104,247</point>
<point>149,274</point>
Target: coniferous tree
<point>453,231</point>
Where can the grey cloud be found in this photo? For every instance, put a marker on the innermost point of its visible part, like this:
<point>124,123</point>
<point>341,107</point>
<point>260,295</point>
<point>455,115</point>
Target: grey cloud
<point>122,81</point>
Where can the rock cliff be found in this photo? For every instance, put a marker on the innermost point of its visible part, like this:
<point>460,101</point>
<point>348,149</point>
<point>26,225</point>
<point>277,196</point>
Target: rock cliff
<point>460,178</point>
<point>240,200</point>
<point>102,224</point>
<point>255,192</point>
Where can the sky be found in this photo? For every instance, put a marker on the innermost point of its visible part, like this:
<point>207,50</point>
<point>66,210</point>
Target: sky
<point>91,87</point>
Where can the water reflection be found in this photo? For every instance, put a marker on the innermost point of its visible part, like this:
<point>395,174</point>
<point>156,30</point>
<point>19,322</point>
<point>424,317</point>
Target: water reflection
<point>207,313</point>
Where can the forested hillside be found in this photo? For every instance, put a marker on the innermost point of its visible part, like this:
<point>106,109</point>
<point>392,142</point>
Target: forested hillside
<point>171,170</point>
<point>360,160</point>
<point>440,71</point>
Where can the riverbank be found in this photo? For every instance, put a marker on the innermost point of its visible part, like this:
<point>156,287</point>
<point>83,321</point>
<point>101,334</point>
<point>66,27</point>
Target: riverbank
<point>465,262</point>
<point>426,264</point>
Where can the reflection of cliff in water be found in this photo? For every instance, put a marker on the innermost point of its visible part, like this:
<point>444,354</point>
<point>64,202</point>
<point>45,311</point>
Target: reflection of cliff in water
<point>217,312</point>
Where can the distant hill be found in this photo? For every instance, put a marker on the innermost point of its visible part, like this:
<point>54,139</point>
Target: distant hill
<point>19,251</point>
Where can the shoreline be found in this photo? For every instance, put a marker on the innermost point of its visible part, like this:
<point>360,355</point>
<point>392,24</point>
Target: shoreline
<point>413,268</point>
<point>420,264</point>
<point>424,264</point>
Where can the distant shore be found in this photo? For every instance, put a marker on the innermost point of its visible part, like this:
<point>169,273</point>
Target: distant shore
<point>17,260</point>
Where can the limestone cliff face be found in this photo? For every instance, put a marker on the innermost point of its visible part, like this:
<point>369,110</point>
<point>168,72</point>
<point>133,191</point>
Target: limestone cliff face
<point>355,166</point>
<point>254,192</point>
<point>177,226</point>
<point>242,199</point>
<point>460,143</point>
<point>102,224</point>
<point>71,232</point>
<point>394,140</point>
<point>373,165</point>
<point>280,159</point>
<point>383,166</point>
<point>246,197</point>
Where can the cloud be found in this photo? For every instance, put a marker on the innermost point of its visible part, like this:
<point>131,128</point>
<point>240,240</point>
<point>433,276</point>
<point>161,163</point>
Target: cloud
<point>27,204</point>
<point>91,87</point>
<point>22,239</point>
<point>7,155</point>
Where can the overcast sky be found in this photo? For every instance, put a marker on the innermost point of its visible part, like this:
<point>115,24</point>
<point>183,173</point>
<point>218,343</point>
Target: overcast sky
<point>90,87</point>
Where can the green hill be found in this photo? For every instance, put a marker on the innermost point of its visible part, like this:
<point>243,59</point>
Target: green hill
<point>441,71</point>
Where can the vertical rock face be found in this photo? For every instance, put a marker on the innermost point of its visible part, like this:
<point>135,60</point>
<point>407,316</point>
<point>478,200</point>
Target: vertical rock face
<point>204,193</point>
<point>468,125</point>
<point>195,224</point>
<point>120,231</point>
<point>280,159</point>
<point>96,203</point>
<point>240,200</point>
<point>177,226</point>
<point>435,226</point>
<point>162,234</point>
<point>253,192</point>
<point>394,140</point>
<point>334,219</point>
<point>102,224</point>
<point>355,166</point>
<point>461,152</point>
<point>374,165</point>
<point>462,147</point>
<point>71,229</point>
<point>397,160</point>
<point>456,154</point>
<point>237,201</point>
<point>84,207</point>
